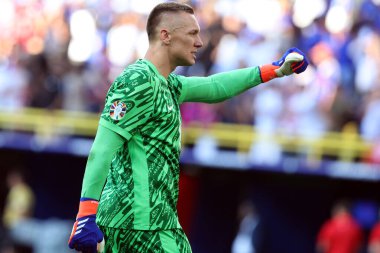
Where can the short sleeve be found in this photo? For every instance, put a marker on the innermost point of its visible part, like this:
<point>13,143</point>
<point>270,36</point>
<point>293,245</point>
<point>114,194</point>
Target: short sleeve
<point>129,103</point>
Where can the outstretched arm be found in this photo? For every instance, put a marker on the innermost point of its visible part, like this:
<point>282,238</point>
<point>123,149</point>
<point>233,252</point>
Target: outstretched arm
<point>219,87</point>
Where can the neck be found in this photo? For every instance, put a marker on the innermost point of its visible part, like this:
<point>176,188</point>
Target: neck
<point>160,59</point>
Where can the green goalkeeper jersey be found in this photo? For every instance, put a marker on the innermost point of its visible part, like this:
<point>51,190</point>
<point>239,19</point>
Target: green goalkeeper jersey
<point>142,186</point>
<point>141,190</point>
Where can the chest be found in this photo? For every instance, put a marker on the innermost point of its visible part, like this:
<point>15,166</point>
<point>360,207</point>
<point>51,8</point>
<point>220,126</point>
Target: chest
<point>166,106</point>
<point>165,123</point>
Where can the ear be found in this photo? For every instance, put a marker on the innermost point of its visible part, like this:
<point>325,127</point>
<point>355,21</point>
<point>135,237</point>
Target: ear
<point>165,36</point>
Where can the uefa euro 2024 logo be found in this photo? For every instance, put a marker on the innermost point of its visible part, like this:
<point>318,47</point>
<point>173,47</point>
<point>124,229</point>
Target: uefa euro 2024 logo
<point>117,110</point>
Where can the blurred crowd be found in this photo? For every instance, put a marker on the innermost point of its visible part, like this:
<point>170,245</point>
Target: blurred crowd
<point>64,54</point>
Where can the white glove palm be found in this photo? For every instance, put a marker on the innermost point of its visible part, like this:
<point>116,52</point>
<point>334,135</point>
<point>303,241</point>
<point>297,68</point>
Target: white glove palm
<point>286,66</point>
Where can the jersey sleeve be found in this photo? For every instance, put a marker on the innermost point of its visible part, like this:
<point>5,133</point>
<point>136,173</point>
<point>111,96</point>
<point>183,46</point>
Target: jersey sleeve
<point>129,103</point>
<point>99,160</point>
<point>218,87</point>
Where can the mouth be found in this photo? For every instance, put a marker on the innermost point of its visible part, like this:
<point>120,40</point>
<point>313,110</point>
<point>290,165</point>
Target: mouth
<point>194,53</point>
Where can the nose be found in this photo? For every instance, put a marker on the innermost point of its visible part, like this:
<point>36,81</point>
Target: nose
<point>198,42</point>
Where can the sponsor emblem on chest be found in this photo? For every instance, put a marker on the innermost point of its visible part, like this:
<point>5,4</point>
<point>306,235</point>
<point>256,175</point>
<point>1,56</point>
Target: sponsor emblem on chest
<point>117,110</point>
<point>169,100</point>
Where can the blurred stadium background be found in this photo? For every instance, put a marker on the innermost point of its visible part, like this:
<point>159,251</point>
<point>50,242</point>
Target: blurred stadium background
<point>293,146</point>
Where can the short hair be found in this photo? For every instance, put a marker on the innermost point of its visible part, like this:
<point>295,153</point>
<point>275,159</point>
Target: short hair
<point>156,14</point>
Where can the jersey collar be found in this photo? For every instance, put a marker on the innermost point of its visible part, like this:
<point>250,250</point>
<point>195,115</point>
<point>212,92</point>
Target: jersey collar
<point>154,69</point>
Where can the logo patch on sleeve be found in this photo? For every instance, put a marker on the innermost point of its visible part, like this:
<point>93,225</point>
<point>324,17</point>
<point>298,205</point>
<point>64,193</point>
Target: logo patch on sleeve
<point>117,110</point>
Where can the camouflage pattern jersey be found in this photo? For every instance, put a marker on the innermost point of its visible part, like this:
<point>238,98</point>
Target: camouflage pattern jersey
<point>141,191</point>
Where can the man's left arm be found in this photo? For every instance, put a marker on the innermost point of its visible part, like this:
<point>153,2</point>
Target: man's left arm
<point>219,87</point>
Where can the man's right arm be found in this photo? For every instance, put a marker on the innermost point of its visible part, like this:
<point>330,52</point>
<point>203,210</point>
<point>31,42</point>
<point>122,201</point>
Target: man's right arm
<point>104,148</point>
<point>86,235</point>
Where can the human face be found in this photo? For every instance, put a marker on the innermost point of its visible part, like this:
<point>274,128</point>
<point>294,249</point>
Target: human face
<point>184,40</point>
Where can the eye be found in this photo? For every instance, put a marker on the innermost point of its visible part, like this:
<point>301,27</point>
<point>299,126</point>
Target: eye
<point>194,32</point>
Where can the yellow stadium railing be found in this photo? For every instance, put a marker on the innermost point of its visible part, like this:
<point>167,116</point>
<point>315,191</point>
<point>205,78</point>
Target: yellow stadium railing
<point>50,121</point>
<point>346,145</point>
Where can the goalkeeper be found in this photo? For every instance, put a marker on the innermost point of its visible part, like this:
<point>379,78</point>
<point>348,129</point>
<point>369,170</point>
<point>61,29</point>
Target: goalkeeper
<point>133,166</point>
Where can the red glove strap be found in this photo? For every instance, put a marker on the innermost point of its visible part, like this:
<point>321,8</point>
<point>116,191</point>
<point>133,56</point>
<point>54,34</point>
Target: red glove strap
<point>295,67</point>
<point>267,72</point>
<point>87,207</point>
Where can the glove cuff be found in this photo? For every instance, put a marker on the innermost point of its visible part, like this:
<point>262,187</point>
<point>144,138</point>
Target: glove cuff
<point>267,72</point>
<point>87,207</point>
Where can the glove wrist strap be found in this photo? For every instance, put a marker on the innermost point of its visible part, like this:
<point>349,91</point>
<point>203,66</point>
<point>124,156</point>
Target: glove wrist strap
<point>267,72</point>
<point>87,207</point>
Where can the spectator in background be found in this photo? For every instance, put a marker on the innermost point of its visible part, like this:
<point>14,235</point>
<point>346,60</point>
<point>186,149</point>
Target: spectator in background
<point>13,82</point>
<point>18,207</point>
<point>341,233</point>
<point>251,236</point>
<point>20,200</point>
<point>365,52</point>
<point>45,88</point>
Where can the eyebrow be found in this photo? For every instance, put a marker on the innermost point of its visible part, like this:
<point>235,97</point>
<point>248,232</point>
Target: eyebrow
<point>176,28</point>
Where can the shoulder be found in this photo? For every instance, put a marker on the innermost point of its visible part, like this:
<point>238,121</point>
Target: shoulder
<point>135,74</point>
<point>133,83</point>
<point>177,81</point>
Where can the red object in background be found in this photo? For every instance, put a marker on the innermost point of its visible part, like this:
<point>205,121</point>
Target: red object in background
<point>187,200</point>
<point>341,234</point>
<point>374,236</point>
